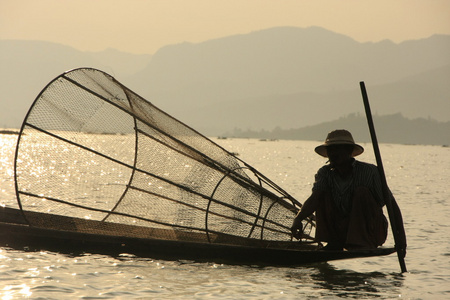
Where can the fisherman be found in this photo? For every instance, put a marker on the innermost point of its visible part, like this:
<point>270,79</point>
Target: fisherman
<point>347,198</point>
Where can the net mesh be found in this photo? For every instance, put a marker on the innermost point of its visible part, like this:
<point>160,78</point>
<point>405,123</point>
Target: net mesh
<point>93,156</point>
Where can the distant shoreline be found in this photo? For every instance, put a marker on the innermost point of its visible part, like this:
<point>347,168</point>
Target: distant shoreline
<point>9,131</point>
<point>391,129</point>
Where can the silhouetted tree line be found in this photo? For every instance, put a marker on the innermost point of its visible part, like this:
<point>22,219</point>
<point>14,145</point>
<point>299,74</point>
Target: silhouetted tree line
<point>393,128</point>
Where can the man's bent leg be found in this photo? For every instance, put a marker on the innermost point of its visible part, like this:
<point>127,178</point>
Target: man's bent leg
<point>367,226</point>
<point>331,227</point>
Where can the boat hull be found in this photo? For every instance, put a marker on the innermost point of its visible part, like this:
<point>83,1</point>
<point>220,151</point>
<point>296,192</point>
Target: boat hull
<point>29,238</point>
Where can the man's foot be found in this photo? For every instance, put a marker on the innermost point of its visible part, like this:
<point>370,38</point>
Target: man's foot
<point>358,247</point>
<point>333,247</point>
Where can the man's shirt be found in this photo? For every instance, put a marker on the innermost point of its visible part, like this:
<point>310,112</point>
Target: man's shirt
<point>363,175</point>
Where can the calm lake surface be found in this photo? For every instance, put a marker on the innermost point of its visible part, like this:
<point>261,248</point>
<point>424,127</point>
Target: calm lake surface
<point>417,175</point>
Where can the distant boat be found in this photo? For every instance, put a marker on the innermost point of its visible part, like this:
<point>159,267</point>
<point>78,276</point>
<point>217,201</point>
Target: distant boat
<point>152,186</point>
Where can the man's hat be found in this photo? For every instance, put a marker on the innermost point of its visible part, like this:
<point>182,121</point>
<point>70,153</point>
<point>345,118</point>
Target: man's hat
<point>339,137</point>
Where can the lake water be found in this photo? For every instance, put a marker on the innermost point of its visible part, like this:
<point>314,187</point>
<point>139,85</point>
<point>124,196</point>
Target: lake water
<point>417,175</point>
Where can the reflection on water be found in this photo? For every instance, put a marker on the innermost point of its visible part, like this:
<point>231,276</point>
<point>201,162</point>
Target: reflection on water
<point>417,175</point>
<point>325,279</point>
<point>7,148</point>
<point>53,275</point>
<point>353,284</point>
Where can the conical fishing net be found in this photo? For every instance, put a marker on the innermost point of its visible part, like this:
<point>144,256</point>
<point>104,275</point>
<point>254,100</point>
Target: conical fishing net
<point>95,157</point>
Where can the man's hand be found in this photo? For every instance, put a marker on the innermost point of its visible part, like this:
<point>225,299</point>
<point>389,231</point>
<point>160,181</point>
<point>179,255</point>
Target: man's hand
<point>308,208</point>
<point>297,228</point>
<point>400,243</point>
<point>401,250</point>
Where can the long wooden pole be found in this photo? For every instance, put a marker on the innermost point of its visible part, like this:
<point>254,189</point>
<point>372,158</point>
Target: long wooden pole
<point>386,194</point>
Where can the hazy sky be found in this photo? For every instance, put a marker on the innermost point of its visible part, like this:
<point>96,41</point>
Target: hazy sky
<point>144,26</point>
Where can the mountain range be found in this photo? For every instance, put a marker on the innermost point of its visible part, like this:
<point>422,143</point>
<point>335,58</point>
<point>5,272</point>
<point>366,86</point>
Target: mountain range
<point>392,129</point>
<point>26,67</point>
<point>282,77</point>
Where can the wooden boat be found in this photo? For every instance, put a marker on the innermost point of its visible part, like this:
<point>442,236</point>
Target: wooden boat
<point>100,169</point>
<point>16,234</point>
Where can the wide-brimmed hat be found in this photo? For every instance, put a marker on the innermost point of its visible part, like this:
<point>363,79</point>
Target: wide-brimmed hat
<point>339,137</point>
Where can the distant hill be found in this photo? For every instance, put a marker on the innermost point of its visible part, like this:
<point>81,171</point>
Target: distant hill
<point>394,129</point>
<point>120,64</point>
<point>293,77</point>
<point>286,77</point>
<point>419,96</point>
<point>283,61</point>
<point>27,66</point>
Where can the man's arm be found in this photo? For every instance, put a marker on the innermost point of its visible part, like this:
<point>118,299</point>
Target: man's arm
<point>308,208</point>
